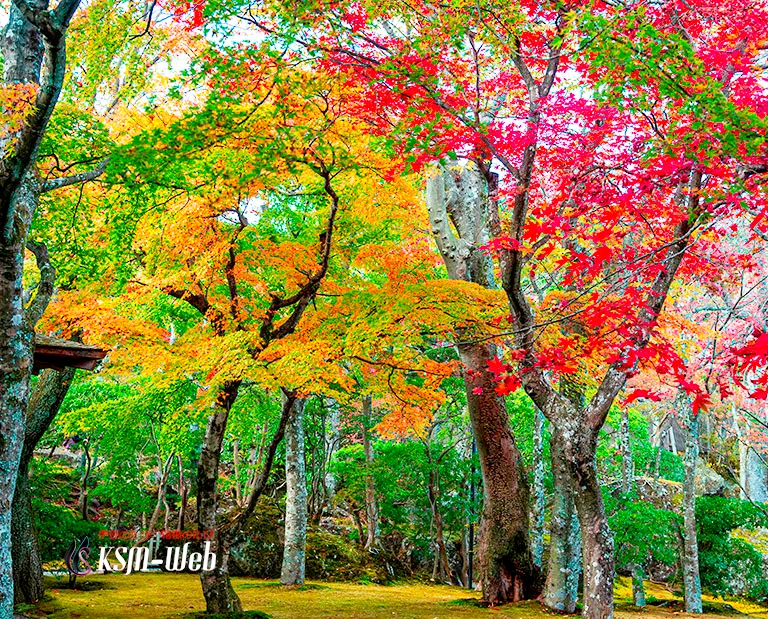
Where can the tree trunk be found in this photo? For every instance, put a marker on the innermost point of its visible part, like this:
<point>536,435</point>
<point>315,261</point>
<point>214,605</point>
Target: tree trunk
<point>165,471</point>
<point>43,406</point>
<point>691,580</point>
<point>219,595</point>
<point>371,502</point>
<point>294,549</point>
<point>332,444</point>
<point>597,541</point>
<point>539,497</point>
<point>15,370</point>
<point>638,587</point>
<point>627,465</point>
<point>236,465</point>
<point>84,500</point>
<point>441,555</point>
<point>183,492</point>
<point>507,570</point>
<point>462,195</point>
<point>561,589</point>
<point>24,52</point>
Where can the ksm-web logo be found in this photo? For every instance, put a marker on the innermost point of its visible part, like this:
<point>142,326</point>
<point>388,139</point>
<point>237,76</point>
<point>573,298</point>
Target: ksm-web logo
<point>128,559</point>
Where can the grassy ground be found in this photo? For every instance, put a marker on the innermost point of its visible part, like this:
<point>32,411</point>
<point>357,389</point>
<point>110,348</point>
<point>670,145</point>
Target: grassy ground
<point>161,596</point>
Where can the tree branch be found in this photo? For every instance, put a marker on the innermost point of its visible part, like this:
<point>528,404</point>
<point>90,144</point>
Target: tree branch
<point>44,292</point>
<point>75,179</point>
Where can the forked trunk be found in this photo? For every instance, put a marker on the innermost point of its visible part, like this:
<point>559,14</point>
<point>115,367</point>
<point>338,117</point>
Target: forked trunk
<point>507,570</point>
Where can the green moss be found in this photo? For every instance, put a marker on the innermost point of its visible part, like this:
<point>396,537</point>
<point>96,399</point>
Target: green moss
<point>252,614</point>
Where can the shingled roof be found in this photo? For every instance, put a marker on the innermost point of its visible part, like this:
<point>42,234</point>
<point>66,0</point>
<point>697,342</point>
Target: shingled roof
<point>57,353</point>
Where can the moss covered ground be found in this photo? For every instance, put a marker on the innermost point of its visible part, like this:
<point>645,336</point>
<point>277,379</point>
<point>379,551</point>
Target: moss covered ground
<point>161,596</point>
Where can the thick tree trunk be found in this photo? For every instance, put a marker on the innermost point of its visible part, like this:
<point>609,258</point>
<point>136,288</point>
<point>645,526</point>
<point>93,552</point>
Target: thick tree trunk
<point>507,570</point>
<point>294,549</point>
<point>691,580</point>
<point>219,595</point>
<point>539,497</point>
<point>371,502</point>
<point>561,588</point>
<point>15,369</point>
<point>43,406</point>
<point>462,195</point>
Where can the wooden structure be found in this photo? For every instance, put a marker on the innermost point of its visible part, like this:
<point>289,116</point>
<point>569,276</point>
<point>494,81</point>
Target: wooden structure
<point>57,353</point>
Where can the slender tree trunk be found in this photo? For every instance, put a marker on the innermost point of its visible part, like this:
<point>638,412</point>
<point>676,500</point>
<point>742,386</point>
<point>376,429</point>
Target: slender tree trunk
<point>441,555</point>
<point>691,580</point>
<point>43,406</point>
<point>236,464</point>
<point>539,497</point>
<point>218,592</point>
<point>183,492</point>
<point>638,586</point>
<point>562,585</point>
<point>371,502</point>
<point>507,570</point>
<point>84,500</point>
<point>332,444</point>
<point>628,486</point>
<point>161,491</point>
<point>359,525</point>
<point>627,465</point>
<point>294,549</point>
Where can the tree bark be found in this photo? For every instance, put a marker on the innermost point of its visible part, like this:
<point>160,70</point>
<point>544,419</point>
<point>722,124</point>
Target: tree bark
<point>294,549</point>
<point>219,595</point>
<point>561,588</point>
<point>691,580</point>
<point>371,501</point>
<point>43,406</point>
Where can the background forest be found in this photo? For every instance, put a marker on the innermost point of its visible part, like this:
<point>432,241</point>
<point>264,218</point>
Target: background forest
<point>463,293</point>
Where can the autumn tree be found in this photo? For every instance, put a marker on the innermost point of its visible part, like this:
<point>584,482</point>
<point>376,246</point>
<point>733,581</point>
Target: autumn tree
<point>598,221</point>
